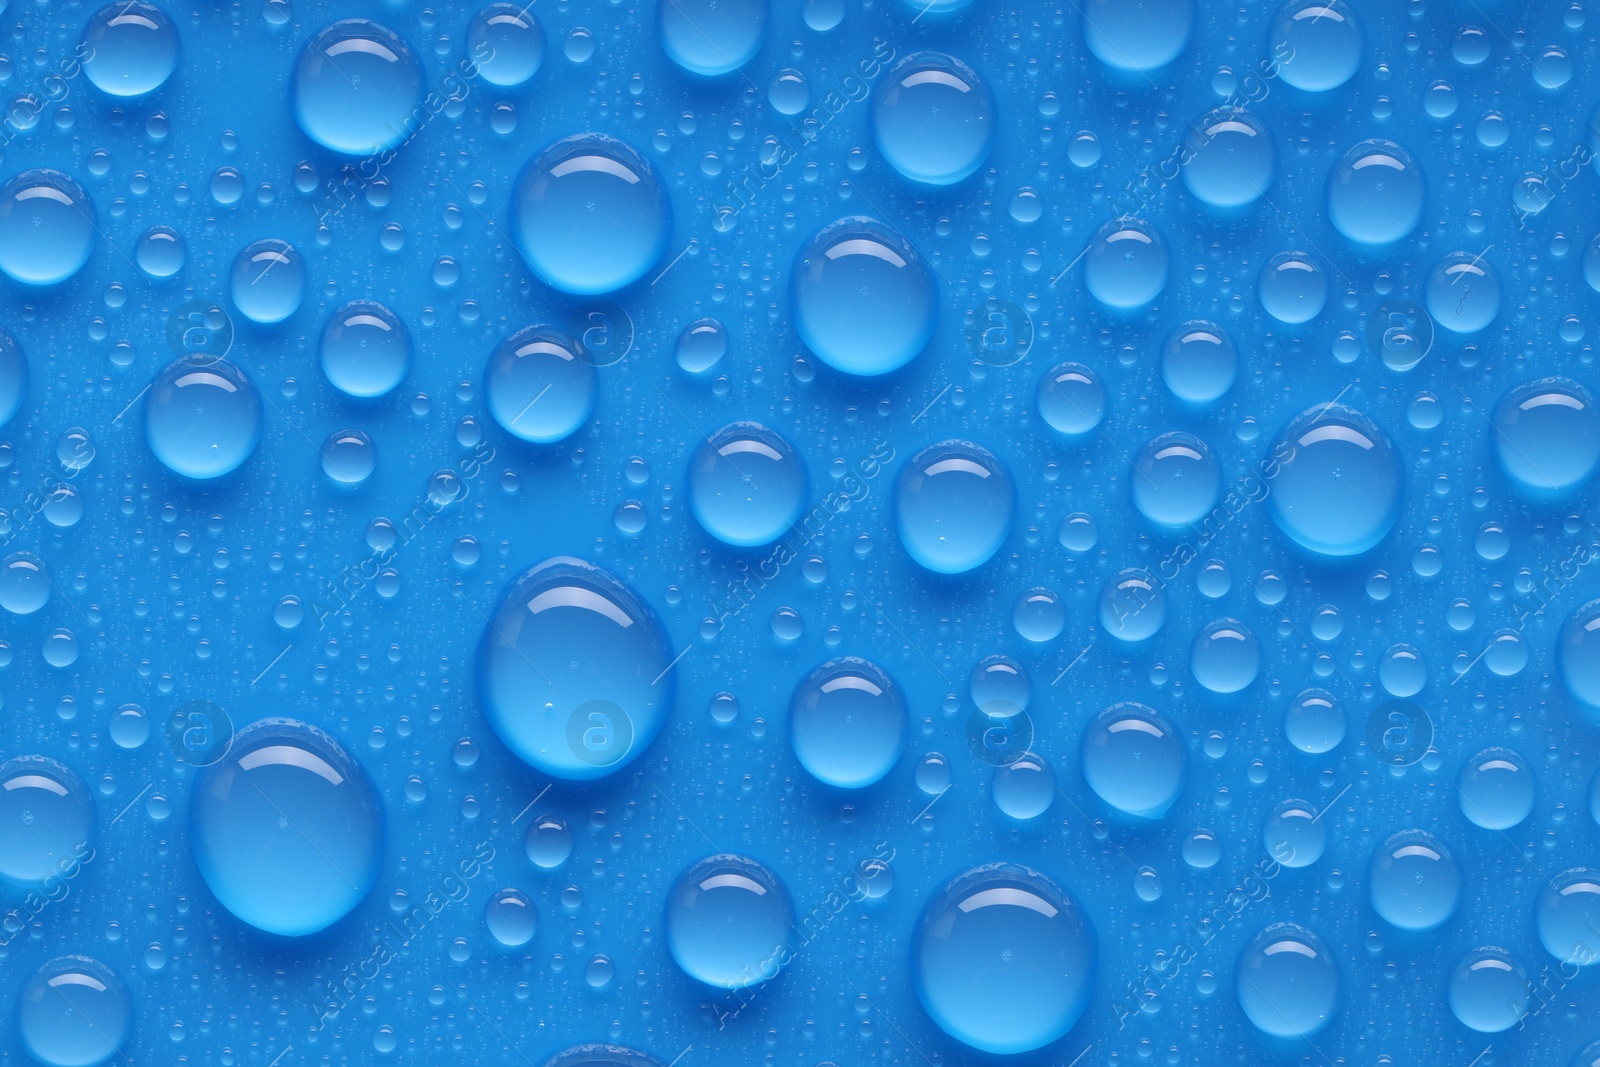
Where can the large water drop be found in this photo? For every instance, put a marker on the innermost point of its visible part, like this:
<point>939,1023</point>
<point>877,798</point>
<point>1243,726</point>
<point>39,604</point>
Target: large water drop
<point>202,417</point>
<point>1134,759</point>
<point>747,484</point>
<point>538,385</point>
<point>574,670</point>
<point>933,119</point>
<point>1003,958</point>
<point>953,506</point>
<point>590,214</point>
<point>848,723</point>
<point>728,922</point>
<point>864,300</point>
<point>287,828</point>
<point>358,88</point>
<point>1336,481</point>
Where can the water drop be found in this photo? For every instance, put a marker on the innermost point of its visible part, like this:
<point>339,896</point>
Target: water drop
<point>1316,44</point>
<point>1126,265</point>
<point>1140,37</point>
<point>1293,289</point>
<point>1339,481</point>
<point>349,457</point>
<point>287,828</point>
<point>1376,193</point>
<point>953,506</point>
<point>1225,657</point>
<point>1003,958</point>
<point>159,252</point>
<point>1024,788</point>
<point>1567,914</point>
<point>548,842</point>
<point>25,584</point>
<point>506,42</point>
<point>268,281</point>
<point>47,227</point>
<point>1229,158</point>
<point>1463,293</point>
<point>865,301</point>
<point>511,917</point>
<point>539,387</point>
<point>848,723</point>
<point>701,346</point>
<point>1413,881</point>
<point>1547,436</point>
<point>1072,399</point>
<point>202,417</point>
<point>574,670</point>
<point>1488,990</point>
<point>712,37</point>
<point>357,88</point>
<point>131,48</point>
<point>933,119</point>
<point>1288,981</point>
<point>1294,834</point>
<point>590,214</point>
<point>365,349</point>
<point>47,821</point>
<point>1199,362</point>
<point>74,1012</point>
<point>747,484</point>
<point>1133,605</point>
<point>1176,479</point>
<point>1315,721</point>
<point>1039,615</point>
<point>728,922</point>
<point>1134,759</point>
